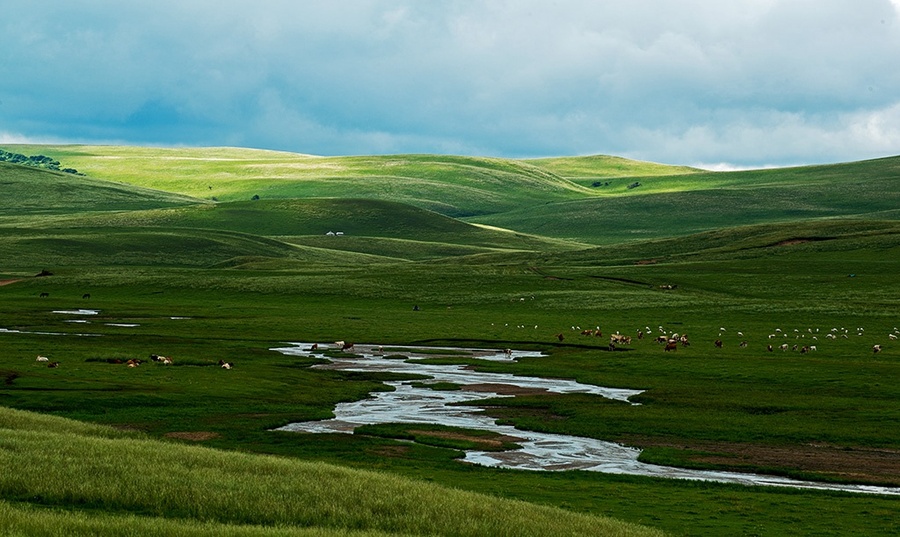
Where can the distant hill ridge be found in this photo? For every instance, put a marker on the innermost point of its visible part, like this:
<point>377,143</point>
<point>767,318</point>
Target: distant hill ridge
<point>584,199</point>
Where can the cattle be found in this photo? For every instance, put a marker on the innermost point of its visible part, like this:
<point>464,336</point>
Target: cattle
<point>560,336</point>
<point>339,344</point>
<point>42,359</point>
<point>783,347</point>
<point>133,362</point>
<point>620,339</point>
<point>507,352</point>
<point>876,349</point>
<point>662,339</point>
<point>53,364</point>
<point>86,295</point>
<point>671,346</point>
<point>44,295</point>
<point>718,343</point>
<point>347,346</point>
<point>227,365</point>
<point>769,348</point>
<point>743,344</point>
<point>315,347</point>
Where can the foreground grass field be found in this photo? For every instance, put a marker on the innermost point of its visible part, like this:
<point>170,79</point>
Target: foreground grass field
<point>58,464</point>
<point>204,281</point>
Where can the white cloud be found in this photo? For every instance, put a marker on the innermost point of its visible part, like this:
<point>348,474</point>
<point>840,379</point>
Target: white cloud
<point>750,82</point>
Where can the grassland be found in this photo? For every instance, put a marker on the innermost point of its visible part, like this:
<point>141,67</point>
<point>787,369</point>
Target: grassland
<point>794,253</point>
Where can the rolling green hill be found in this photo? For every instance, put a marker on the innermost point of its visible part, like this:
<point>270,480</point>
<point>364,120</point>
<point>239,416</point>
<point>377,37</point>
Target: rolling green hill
<point>548,197</point>
<point>454,186</point>
<point>34,191</point>
<point>686,204</point>
<point>497,253</point>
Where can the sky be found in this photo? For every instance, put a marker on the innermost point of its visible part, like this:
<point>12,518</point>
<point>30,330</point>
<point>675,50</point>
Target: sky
<point>722,85</point>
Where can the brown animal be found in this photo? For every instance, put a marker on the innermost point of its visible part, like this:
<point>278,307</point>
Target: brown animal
<point>718,343</point>
<point>53,364</point>
<point>346,346</point>
<point>560,336</point>
<point>671,346</point>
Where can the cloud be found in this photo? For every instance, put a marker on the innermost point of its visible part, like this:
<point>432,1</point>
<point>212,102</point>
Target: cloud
<point>748,82</point>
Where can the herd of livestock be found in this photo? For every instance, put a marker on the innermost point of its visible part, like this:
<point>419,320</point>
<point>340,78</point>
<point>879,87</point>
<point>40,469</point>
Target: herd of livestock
<point>806,341</point>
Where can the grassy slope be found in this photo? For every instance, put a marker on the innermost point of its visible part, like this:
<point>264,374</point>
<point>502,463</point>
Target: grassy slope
<point>32,191</point>
<point>588,170</point>
<point>82,220</point>
<point>61,464</point>
<point>450,185</point>
<point>537,196</point>
<point>685,204</point>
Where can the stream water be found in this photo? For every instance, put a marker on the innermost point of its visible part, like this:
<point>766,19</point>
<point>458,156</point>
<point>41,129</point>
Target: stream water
<point>408,403</point>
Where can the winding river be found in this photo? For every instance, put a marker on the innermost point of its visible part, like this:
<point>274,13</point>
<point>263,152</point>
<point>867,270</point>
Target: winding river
<point>539,451</point>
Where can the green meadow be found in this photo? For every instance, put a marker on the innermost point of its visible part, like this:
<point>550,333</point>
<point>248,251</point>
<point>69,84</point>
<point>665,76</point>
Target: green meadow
<point>209,254</point>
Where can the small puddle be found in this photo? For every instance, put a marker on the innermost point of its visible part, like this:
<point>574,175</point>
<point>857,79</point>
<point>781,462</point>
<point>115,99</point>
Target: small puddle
<point>539,451</point>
